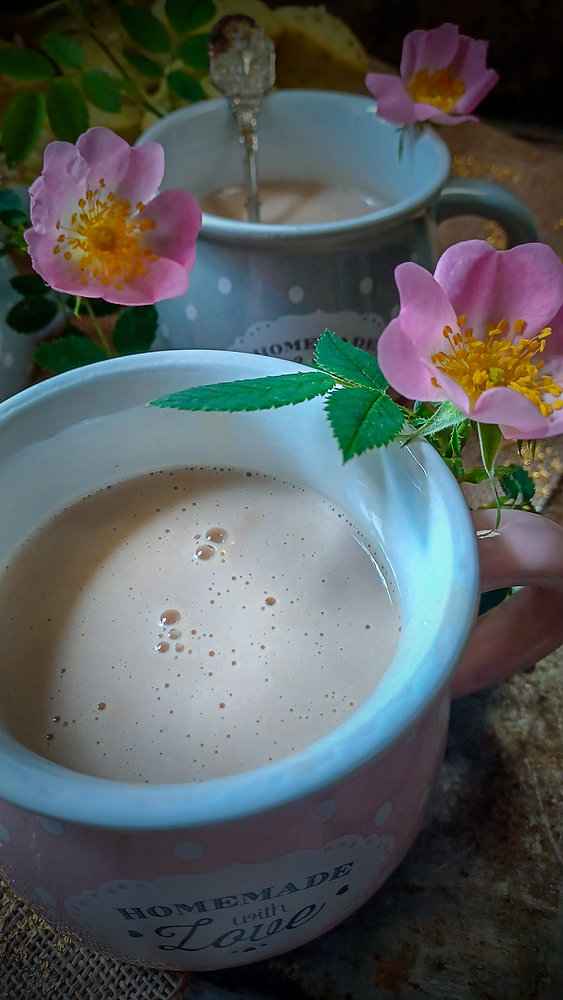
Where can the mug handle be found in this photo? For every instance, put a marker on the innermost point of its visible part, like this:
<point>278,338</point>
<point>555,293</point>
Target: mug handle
<point>526,550</point>
<point>472,196</point>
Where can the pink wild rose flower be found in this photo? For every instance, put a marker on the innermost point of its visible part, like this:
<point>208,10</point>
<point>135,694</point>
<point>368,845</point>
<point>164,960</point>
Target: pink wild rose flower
<point>99,231</point>
<point>443,78</point>
<point>486,333</point>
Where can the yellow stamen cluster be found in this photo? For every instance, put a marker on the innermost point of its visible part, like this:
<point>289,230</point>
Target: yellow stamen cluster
<point>499,360</point>
<point>439,88</point>
<point>105,238</point>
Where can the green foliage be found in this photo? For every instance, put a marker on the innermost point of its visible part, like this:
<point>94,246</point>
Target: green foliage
<point>21,126</point>
<point>24,64</point>
<point>67,110</point>
<point>29,284</point>
<point>68,352</point>
<point>67,87</point>
<point>187,17</point>
<point>361,414</point>
<point>63,50</point>
<point>193,52</point>
<point>102,90</point>
<point>517,486</point>
<point>144,28</point>
<point>135,329</point>
<point>249,394</point>
<point>185,85</point>
<point>348,363</point>
<point>362,419</point>
<point>147,67</point>
<point>31,314</point>
<point>11,210</point>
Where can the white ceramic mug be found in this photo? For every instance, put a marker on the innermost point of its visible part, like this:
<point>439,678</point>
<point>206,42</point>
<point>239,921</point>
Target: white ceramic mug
<point>273,289</point>
<point>232,870</point>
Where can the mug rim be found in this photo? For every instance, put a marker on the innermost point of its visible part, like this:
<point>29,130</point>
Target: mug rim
<point>50,789</point>
<point>343,232</point>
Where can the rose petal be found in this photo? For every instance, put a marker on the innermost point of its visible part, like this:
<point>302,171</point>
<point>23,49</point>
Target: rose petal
<point>429,50</point>
<point>425,308</point>
<point>132,173</point>
<point>394,104</point>
<point>488,285</point>
<point>177,215</point>
<point>406,372</point>
<point>516,415</point>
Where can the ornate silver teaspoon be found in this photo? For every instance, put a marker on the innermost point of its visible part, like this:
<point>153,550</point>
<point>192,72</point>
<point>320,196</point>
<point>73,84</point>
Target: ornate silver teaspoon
<point>242,67</point>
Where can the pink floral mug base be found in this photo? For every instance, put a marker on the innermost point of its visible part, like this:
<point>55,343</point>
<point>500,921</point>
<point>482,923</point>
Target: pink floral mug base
<point>229,871</point>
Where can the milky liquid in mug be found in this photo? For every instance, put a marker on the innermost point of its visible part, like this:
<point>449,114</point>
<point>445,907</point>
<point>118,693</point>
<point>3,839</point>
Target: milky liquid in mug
<point>293,203</point>
<point>190,624</point>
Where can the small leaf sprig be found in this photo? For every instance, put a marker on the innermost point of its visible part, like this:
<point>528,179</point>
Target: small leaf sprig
<point>361,413</point>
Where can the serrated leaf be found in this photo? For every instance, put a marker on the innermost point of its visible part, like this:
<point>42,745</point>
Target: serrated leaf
<point>102,90</point>
<point>26,64</point>
<point>67,110</point>
<point>63,50</point>
<point>362,419</point>
<point>515,482</point>
<point>21,125</point>
<point>144,65</point>
<point>347,362</point>
<point>135,329</point>
<point>144,28</point>
<point>446,415</point>
<point>185,85</point>
<point>29,284</point>
<point>31,314</point>
<point>193,51</point>
<point>66,353</point>
<point>265,393</point>
<point>186,17</point>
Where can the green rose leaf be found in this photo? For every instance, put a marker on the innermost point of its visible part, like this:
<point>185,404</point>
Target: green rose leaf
<point>11,210</point>
<point>66,353</point>
<point>29,284</point>
<point>135,329</point>
<point>144,65</point>
<point>516,484</point>
<point>27,64</point>
<point>31,314</point>
<point>63,50</point>
<point>249,394</point>
<point>102,90</point>
<point>186,17</point>
<point>67,110</point>
<point>193,52</point>
<point>347,362</point>
<point>185,85</point>
<point>362,419</point>
<point>21,126</point>
<point>144,28</point>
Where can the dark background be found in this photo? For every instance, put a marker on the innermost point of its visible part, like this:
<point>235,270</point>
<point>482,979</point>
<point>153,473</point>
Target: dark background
<point>525,45</point>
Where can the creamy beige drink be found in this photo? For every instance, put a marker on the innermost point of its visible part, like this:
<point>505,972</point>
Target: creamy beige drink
<point>293,203</point>
<point>188,625</point>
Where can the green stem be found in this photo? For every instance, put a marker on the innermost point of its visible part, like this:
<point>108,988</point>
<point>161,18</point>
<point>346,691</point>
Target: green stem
<point>107,346</point>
